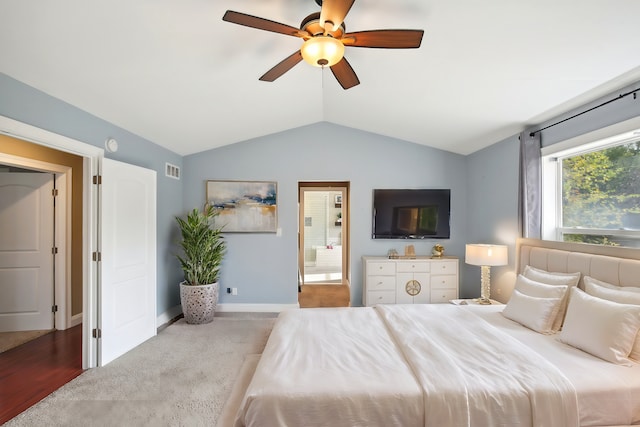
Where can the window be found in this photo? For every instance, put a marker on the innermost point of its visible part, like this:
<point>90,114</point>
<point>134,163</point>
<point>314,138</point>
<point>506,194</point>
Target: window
<point>591,192</point>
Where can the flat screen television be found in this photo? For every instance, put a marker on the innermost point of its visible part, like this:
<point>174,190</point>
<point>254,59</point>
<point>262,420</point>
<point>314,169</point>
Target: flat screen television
<point>411,213</point>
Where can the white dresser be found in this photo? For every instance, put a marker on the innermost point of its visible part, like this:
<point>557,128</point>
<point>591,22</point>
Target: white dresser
<point>409,281</point>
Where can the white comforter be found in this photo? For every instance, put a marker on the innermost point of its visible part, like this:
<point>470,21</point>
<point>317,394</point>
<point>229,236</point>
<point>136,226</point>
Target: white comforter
<point>472,374</point>
<point>331,367</point>
<point>401,365</point>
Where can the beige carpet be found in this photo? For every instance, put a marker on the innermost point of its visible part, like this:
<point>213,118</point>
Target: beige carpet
<point>228,414</point>
<point>181,377</point>
<point>9,340</point>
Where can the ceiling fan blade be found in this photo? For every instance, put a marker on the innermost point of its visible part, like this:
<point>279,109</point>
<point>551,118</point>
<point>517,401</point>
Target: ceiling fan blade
<point>334,11</point>
<point>389,39</point>
<point>262,24</point>
<point>345,74</point>
<point>282,67</point>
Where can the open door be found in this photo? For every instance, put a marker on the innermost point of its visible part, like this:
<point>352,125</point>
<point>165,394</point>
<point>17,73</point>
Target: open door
<point>127,289</point>
<point>26,257</point>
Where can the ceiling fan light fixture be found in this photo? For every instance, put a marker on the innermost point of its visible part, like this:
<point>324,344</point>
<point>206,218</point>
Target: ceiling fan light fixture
<point>322,51</point>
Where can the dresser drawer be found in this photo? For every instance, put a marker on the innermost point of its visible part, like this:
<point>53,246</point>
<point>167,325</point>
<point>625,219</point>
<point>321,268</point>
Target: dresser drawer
<point>377,283</point>
<point>381,297</point>
<point>381,268</point>
<point>439,296</point>
<point>444,267</point>
<point>444,282</point>
<point>412,266</point>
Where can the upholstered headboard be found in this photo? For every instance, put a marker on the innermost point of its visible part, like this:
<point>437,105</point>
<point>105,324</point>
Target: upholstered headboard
<point>615,265</point>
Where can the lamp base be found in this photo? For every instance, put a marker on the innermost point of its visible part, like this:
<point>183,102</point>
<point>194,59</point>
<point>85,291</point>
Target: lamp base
<point>482,301</point>
<point>485,283</point>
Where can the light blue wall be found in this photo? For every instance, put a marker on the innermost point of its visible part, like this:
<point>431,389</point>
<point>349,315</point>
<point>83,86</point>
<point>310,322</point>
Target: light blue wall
<point>492,185</point>
<point>25,104</point>
<point>264,266</point>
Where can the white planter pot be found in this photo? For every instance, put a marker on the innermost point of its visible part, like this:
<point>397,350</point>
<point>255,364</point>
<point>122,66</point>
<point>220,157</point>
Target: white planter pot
<point>198,302</point>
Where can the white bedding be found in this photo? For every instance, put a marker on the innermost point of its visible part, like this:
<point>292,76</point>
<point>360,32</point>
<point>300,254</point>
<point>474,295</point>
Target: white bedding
<point>331,367</point>
<point>472,374</point>
<point>608,394</point>
<point>348,367</point>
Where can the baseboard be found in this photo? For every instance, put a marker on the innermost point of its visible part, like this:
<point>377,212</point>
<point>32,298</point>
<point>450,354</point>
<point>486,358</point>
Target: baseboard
<point>75,320</point>
<point>255,308</point>
<point>168,315</point>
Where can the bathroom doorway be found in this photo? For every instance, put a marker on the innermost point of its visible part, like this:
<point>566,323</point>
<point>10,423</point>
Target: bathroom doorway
<point>323,239</point>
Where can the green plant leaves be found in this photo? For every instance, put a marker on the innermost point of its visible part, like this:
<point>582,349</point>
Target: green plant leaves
<point>203,247</point>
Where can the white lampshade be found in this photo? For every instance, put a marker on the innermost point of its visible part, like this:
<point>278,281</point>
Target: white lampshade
<point>322,51</point>
<point>489,255</point>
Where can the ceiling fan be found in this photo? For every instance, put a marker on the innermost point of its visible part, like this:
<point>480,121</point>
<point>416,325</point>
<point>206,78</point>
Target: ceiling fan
<point>325,38</point>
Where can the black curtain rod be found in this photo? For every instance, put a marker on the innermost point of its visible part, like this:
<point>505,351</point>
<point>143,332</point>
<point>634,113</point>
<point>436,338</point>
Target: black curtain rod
<point>633,92</point>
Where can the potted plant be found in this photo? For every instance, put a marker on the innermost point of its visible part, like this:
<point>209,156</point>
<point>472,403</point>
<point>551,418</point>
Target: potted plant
<point>203,248</point>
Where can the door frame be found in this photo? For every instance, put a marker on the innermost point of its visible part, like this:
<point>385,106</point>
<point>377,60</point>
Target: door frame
<point>92,158</point>
<point>62,235</point>
<point>346,223</point>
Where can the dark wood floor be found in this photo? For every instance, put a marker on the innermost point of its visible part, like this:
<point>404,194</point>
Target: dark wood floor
<point>34,370</point>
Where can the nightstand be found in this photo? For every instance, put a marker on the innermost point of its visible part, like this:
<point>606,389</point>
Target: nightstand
<point>472,301</point>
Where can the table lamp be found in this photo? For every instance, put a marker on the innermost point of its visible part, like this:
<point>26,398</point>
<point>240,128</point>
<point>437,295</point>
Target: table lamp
<point>485,256</point>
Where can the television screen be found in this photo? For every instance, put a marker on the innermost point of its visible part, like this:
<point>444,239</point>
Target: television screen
<point>411,214</point>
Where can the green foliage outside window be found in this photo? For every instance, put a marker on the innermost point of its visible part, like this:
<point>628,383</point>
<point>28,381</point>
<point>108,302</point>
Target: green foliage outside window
<point>601,190</point>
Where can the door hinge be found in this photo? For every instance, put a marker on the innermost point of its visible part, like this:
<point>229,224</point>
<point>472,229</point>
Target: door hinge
<point>54,308</point>
<point>54,250</point>
<point>97,256</point>
<point>97,333</point>
<point>54,192</point>
<point>97,179</point>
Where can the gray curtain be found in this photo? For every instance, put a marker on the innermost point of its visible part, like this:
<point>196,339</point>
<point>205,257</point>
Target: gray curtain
<point>530,193</point>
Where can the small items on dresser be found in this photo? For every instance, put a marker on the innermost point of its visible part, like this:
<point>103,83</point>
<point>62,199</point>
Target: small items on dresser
<point>409,251</point>
<point>437,251</point>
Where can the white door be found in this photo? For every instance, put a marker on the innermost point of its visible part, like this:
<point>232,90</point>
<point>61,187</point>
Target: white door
<point>26,259</point>
<point>127,289</point>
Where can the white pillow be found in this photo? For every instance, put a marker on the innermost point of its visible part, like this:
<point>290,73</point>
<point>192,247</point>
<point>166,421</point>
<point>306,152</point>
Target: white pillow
<point>632,289</point>
<point>553,278</point>
<point>617,294</point>
<point>603,328</point>
<point>533,312</point>
<point>533,288</point>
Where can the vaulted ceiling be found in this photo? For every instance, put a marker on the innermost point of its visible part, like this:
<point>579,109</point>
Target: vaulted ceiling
<point>173,72</point>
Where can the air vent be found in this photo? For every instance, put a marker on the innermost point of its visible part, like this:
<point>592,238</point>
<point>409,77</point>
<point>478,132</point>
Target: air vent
<point>172,171</point>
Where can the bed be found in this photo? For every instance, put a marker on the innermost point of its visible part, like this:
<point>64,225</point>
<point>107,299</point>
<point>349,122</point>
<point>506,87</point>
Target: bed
<point>448,365</point>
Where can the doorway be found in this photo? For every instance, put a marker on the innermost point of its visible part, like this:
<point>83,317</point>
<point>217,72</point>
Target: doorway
<point>124,196</point>
<point>27,239</point>
<point>323,244</point>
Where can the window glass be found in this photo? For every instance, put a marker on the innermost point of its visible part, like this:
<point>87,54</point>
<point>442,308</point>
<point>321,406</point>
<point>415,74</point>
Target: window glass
<point>601,192</point>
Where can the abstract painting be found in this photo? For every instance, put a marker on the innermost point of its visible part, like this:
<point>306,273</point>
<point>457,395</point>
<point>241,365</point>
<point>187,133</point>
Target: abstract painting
<point>244,206</point>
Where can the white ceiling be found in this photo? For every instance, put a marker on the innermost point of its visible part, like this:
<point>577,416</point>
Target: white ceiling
<point>173,72</point>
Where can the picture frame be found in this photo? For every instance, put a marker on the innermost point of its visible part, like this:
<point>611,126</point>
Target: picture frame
<point>244,206</point>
